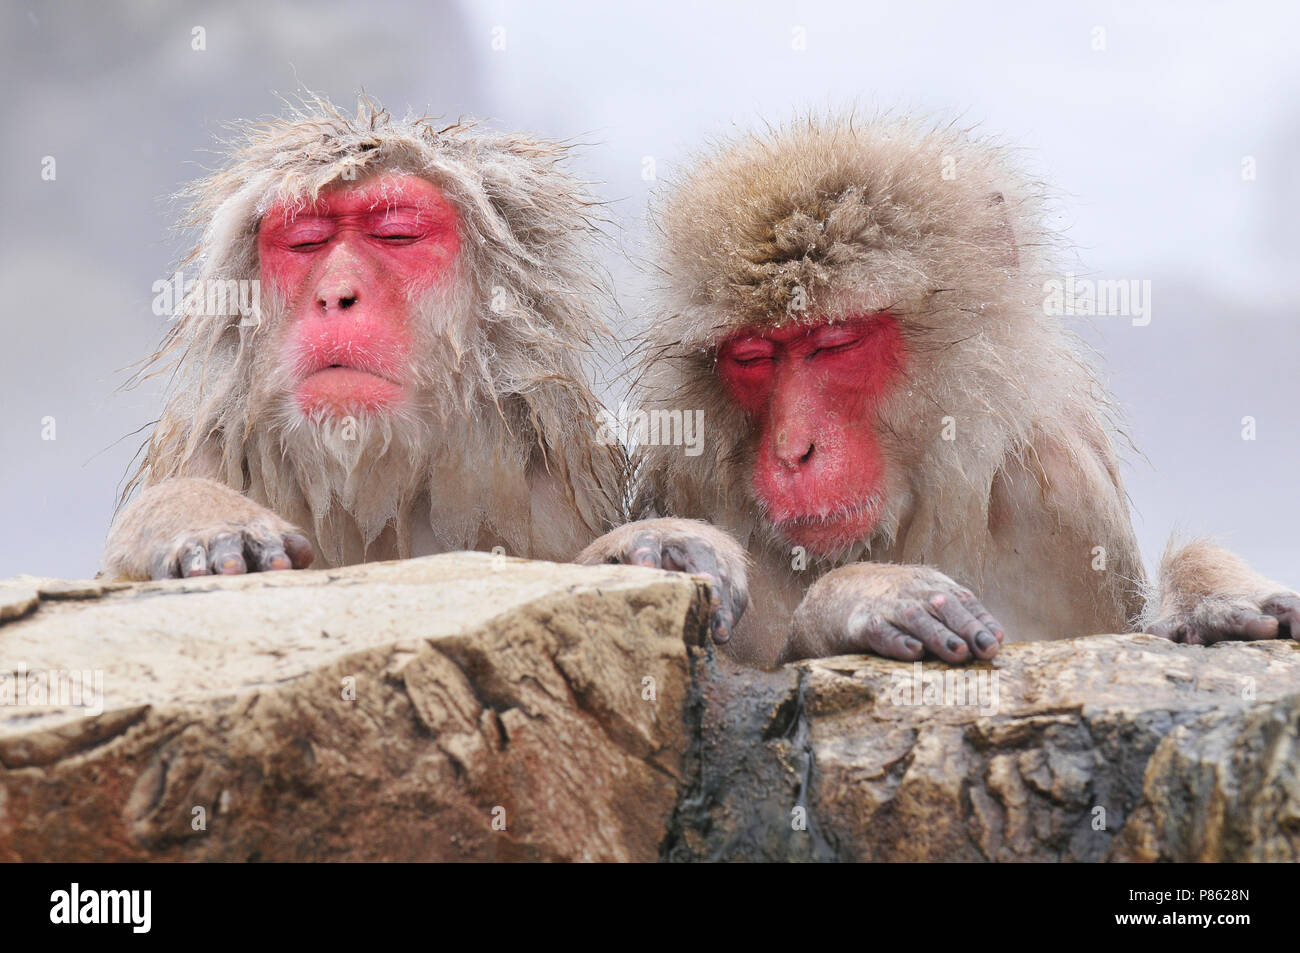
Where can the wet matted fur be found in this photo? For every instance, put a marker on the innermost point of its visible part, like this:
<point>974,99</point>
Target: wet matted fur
<point>923,220</point>
<point>498,369</point>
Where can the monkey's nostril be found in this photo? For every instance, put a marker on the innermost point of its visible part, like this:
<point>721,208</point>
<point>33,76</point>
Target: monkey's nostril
<point>346,303</point>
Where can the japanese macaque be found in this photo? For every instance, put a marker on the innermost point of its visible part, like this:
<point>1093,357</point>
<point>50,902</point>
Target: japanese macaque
<point>409,377</point>
<point>907,453</point>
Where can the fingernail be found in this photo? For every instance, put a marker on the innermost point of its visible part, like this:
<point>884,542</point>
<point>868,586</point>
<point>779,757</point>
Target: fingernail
<point>985,641</point>
<point>954,645</point>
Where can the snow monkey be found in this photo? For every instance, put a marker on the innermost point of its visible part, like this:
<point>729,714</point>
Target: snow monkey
<point>409,377</point>
<point>906,452</point>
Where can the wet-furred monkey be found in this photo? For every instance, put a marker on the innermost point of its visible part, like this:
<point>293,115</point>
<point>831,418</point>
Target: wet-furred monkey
<point>905,452</point>
<point>404,373</point>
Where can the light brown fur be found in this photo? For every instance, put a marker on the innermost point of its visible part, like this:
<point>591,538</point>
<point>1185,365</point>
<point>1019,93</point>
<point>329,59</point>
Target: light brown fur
<point>830,217</point>
<point>500,445</point>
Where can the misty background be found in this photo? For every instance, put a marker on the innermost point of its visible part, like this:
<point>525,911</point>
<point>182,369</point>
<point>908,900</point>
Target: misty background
<point>1143,141</point>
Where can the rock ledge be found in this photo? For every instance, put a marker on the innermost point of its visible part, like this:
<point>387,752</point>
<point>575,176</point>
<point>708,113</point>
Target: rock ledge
<point>473,707</point>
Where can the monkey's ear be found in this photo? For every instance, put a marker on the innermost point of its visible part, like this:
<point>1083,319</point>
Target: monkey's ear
<point>1003,237</point>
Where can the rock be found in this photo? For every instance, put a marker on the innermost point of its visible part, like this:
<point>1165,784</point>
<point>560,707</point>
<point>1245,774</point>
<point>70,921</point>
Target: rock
<point>1105,748</point>
<point>400,711</point>
<point>72,589</point>
<point>1222,788</point>
<point>395,711</point>
<point>17,602</point>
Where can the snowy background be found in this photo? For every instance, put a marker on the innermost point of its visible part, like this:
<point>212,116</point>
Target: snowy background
<point>1143,140</point>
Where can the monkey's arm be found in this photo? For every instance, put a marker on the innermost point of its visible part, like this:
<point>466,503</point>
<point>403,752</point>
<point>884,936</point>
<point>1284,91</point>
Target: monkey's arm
<point>1059,554</point>
<point>890,610</point>
<point>193,526</point>
<point>1061,558</point>
<point>1209,594</point>
<point>682,545</point>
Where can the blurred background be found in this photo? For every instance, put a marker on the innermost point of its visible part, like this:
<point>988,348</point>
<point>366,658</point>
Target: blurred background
<point>1142,116</point>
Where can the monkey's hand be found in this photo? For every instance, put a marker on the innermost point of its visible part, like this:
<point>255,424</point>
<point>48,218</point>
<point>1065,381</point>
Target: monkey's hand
<point>1209,594</point>
<point>1244,618</point>
<point>188,526</point>
<point>899,612</point>
<point>683,546</point>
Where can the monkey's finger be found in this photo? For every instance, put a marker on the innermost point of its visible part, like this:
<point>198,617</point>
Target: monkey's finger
<point>1286,609</point>
<point>1244,625</point>
<point>299,549</point>
<point>960,620</point>
<point>934,634</point>
<point>644,550</point>
<point>871,633</point>
<point>1163,629</point>
<point>976,608</point>
<point>267,555</point>
<point>699,559</point>
<point>1251,626</point>
<point>163,565</point>
<point>226,554</point>
<point>194,560</point>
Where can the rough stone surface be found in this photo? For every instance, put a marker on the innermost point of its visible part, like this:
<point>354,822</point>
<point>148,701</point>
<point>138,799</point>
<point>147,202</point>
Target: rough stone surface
<point>486,689</point>
<point>1105,748</point>
<point>1222,789</point>
<point>394,711</point>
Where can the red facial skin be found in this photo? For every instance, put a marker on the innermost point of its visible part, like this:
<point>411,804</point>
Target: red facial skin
<point>811,392</point>
<point>349,267</point>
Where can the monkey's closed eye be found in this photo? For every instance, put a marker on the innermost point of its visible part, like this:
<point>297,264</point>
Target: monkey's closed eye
<point>836,348</point>
<point>307,246</point>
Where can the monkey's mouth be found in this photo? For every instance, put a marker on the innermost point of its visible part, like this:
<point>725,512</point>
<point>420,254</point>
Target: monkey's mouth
<point>338,390</point>
<point>830,531</point>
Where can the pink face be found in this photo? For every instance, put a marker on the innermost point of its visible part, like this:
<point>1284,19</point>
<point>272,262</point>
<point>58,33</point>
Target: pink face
<point>349,268</point>
<point>811,392</point>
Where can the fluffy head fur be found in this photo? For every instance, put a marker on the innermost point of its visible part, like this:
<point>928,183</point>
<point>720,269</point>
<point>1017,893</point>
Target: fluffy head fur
<point>845,216</point>
<point>497,366</point>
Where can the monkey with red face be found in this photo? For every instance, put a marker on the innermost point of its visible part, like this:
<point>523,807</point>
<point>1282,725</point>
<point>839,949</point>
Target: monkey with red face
<point>908,452</point>
<point>410,379</point>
